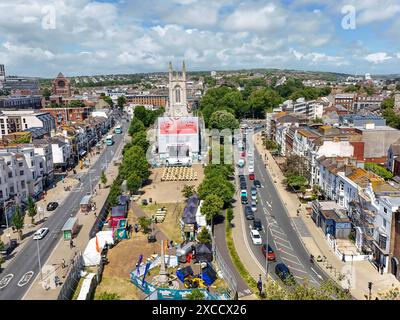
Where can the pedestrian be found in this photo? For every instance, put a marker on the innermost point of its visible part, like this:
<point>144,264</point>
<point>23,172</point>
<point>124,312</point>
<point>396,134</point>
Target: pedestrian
<point>71,244</point>
<point>136,228</point>
<point>94,212</point>
<point>382,267</point>
<point>63,263</point>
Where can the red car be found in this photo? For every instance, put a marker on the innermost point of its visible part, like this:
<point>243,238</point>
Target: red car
<point>271,253</point>
<point>251,176</point>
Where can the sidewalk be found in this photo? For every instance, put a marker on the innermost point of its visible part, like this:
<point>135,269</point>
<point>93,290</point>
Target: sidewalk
<point>316,244</point>
<point>55,194</point>
<point>53,266</point>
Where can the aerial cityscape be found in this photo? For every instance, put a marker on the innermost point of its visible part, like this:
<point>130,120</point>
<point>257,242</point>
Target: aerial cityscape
<point>191,150</point>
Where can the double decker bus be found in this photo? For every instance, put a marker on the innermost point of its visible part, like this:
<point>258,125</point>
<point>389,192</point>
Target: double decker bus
<point>109,140</point>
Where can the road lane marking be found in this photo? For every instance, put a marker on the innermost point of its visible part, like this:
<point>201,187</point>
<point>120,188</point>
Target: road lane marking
<point>287,259</point>
<point>6,280</point>
<point>25,279</point>
<point>281,238</point>
<point>318,275</point>
<point>290,254</point>
<point>282,245</point>
<point>292,268</point>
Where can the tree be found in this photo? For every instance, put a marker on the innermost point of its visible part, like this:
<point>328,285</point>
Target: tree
<point>121,102</point>
<point>108,296</point>
<point>133,183</point>
<point>136,126</point>
<point>218,186</point>
<point>115,191</point>
<point>328,290</point>
<point>76,104</point>
<point>211,206</point>
<point>387,103</point>
<point>295,165</point>
<point>270,144</point>
<point>204,236</point>
<point>229,216</point>
<point>144,223</point>
<point>32,210</point>
<point>296,182</point>
<point>140,139</point>
<point>222,170</point>
<point>108,100</point>
<point>135,161</point>
<point>263,100</point>
<point>379,170</point>
<point>195,294</point>
<point>103,178</point>
<point>223,119</point>
<point>46,93</point>
<point>188,191</point>
<point>392,294</point>
<point>18,221</point>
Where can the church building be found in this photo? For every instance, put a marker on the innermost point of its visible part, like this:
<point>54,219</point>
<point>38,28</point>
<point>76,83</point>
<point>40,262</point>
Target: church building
<point>178,133</point>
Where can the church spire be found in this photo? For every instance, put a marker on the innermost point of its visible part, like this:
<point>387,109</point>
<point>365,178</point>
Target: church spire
<point>184,70</point>
<point>170,70</point>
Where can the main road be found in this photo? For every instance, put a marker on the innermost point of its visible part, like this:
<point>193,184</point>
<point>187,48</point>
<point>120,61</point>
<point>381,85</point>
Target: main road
<point>283,231</point>
<point>17,277</point>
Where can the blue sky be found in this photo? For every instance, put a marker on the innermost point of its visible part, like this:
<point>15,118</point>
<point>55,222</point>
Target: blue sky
<point>83,37</point>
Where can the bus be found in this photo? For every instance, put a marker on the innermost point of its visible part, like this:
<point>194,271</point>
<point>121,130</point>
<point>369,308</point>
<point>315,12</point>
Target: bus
<point>109,140</point>
<point>118,129</point>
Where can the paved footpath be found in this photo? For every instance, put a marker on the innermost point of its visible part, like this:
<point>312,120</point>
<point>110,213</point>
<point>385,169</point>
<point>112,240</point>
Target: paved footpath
<point>53,266</point>
<point>315,242</point>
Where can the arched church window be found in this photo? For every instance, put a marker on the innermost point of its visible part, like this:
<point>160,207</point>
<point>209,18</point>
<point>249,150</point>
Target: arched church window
<point>177,95</point>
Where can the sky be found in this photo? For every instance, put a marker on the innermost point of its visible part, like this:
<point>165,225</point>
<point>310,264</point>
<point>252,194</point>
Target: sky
<point>86,37</point>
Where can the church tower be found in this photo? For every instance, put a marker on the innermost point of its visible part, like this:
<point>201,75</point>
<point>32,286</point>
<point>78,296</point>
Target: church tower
<point>177,93</point>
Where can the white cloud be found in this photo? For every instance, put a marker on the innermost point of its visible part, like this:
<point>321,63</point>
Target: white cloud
<point>377,57</point>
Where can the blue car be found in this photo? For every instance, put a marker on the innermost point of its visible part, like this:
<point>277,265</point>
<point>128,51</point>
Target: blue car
<point>283,272</point>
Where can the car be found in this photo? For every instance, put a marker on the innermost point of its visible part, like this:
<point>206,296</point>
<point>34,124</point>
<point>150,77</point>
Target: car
<point>52,206</point>
<point>40,233</point>
<point>243,185</point>
<point>283,272</point>
<point>253,205</point>
<point>251,169</point>
<point>270,252</point>
<point>243,193</point>
<point>251,176</point>
<point>248,213</point>
<point>9,247</point>
<point>255,237</point>
<point>257,225</point>
<point>257,183</point>
<point>253,193</point>
<point>242,178</point>
<point>244,200</point>
<point>241,163</point>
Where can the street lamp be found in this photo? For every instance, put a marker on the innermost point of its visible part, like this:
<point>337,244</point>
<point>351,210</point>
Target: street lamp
<point>40,265</point>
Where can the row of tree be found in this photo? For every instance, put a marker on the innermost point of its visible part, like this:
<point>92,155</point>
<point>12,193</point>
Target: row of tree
<point>254,101</point>
<point>135,167</point>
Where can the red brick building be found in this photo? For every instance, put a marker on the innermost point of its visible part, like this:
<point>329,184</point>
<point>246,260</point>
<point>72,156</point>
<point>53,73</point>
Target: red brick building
<point>61,86</point>
<point>65,116</point>
<point>155,100</point>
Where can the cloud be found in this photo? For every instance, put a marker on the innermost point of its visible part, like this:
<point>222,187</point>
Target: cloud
<point>378,57</point>
<point>94,37</point>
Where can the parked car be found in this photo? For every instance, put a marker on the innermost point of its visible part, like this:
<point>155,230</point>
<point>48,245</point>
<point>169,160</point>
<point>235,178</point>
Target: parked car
<point>243,193</point>
<point>40,234</point>
<point>257,225</point>
<point>243,185</point>
<point>251,169</point>
<point>241,163</point>
<point>244,200</point>
<point>52,206</point>
<point>255,237</point>
<point>9,247</point>
<point>283,272</point>
<point>242,178</point>
<point>257,183</point>
<point>248,213</point>
<point>270,252</point>
<point>253,205</point>
<point>251,176</point>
